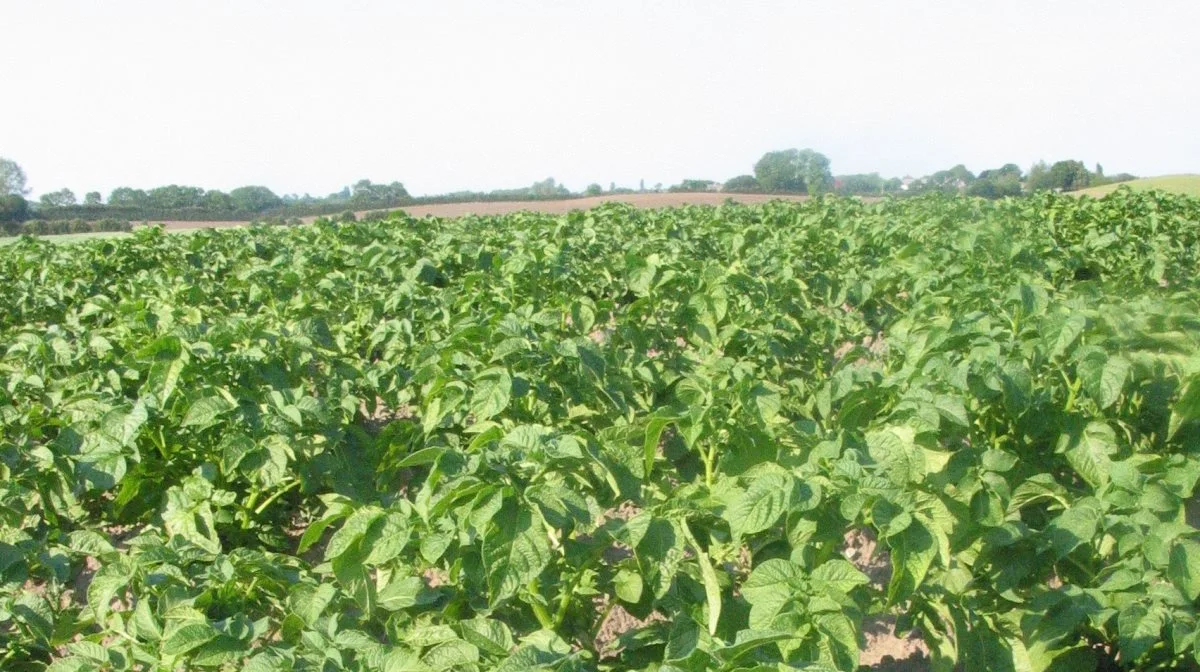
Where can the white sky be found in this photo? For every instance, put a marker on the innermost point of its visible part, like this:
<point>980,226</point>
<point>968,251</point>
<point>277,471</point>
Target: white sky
<point>309,97</point>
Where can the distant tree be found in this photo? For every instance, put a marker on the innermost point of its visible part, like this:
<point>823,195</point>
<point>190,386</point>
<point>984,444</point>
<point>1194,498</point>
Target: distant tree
<point>1071,175</point>
<point>952,180</point>
<point>691,186</point>
<point>217,201</point>
<point>1007,170</point>
<point>12,178</point>
<point>1036,176</point>
<point>1062,176</point>
<point>642,185</point>
<point>612,186</point>
<point>743,184</point>
<point>127,197</point>
<point>548,188</point>
<point>93,198</point>
<point>13,211</point>
<point>254,199</point>
<point>58,199</point>
<point>174,197</point>
<point>594,189</point>
<point>794,171</point>
<point>997,182</point>
<point>892,185</point>
<point>863,184</point>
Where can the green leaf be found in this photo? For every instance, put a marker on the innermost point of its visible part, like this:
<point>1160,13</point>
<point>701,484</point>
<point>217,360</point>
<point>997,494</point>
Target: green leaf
<point>1187,409</point>
<point>108,581</point>
<point>841,637</point>
<point>491,396</point>
<point>712,590</point>
<point>124,426</point>
<point>515,552</point>
<point>894,450</point>
<point>769,588</point>
<point>1072,528</point>
<point>628,586</point>
<point>1184,570</point>
<point>490,635</point>
<point>352,531</point>
<point>1089,450</point>
<point>1139,627</point>
<point>451,655</point>
<point>1062,333</point>
<point>187,637</point>
<point>309,602</point>
<point>760,506</point>
<point>913,552</point>
<point>839,576</point>
<point>205,411</point>
<point>952,409</point>
<point>1103,377</point>
<point>767,402</point>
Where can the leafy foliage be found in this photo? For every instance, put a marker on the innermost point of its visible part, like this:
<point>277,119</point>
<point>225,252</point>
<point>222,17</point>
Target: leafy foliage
<point>469,444</point>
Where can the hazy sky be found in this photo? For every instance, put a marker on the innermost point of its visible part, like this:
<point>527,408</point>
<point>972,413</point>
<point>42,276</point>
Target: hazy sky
<point>309,97</point>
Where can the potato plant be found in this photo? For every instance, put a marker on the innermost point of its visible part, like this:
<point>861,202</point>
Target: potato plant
<point>609,440</point>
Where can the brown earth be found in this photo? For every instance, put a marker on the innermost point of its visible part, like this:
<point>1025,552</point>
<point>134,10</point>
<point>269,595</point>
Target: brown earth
<point>655,200</point>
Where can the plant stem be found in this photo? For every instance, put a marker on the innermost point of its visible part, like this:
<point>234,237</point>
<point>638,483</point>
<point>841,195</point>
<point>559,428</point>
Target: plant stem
<point>539,610</point>
<point>278,493</point>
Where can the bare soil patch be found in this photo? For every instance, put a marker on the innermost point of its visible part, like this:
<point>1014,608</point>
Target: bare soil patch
<point>884,650</point>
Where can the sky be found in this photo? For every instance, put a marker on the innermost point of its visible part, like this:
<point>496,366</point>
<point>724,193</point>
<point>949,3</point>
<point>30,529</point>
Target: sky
<point>308,97</point>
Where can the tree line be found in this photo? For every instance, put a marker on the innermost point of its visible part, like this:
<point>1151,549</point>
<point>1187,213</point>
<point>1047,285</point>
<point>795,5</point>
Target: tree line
<point>789,171</point>
<point>806,171</point>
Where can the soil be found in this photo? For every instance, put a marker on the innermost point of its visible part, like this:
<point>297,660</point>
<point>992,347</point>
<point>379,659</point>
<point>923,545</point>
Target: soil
<point>658,200</point>
<point>884,649</point>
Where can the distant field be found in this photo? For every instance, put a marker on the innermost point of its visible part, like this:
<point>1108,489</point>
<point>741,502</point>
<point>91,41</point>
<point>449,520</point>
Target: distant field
<point>662,200</point>
<point>68,237</point>
<point>1181,184</point>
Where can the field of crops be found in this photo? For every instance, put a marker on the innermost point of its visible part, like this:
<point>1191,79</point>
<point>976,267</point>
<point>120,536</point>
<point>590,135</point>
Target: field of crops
<point>617,439</point>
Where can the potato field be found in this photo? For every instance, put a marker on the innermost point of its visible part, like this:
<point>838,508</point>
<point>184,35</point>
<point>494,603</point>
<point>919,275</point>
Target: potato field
<point>614,439</point>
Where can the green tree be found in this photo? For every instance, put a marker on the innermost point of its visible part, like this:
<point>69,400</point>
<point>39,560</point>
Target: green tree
<point>13,211</point>
<point>743,184</point>
<point>365,193</point>
<point>127,197</point>
<point>548,188</point>
<point>217,201</point>
<point>58,199</point>
<point>93,198</point>
<point>997,182</point>
<point>867,184</point>
<point>12,178</point>
<point>175,197</point>
<point>594,189</point>
<point>690,185</point>
<point>953,180</point>
<point>1066,175</point>
<point>254,199</point>
<point>794,171</point>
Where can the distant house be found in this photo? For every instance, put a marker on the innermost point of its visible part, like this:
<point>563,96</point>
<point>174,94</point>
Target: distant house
<point>713,186</point>
<point>906,182</point>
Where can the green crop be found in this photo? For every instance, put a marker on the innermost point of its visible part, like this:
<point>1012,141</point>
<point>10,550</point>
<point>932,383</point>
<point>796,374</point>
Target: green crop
<point>609,440</point>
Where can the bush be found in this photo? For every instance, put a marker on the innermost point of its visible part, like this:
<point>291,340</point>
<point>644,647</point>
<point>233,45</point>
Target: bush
<point>13,209</point>
<point>347,216</point>
<point>743,184</point>
<point>110,224</point>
